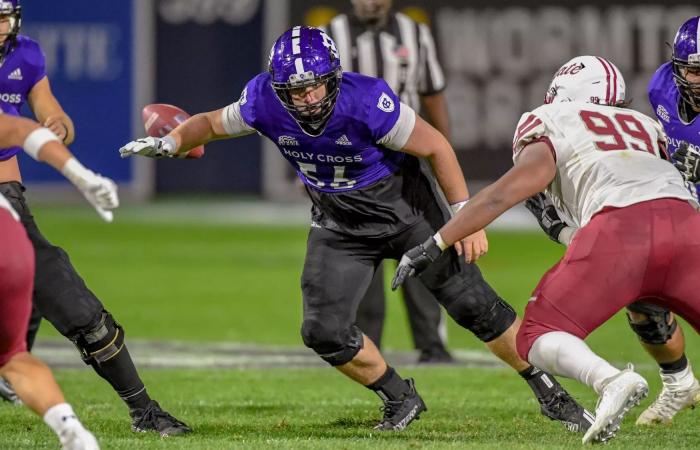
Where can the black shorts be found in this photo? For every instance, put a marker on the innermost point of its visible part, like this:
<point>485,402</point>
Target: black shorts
<point>60,294</point>
<point>340,264</point>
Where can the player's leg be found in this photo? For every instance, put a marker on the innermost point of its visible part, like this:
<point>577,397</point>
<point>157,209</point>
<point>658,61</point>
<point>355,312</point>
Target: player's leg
<point>427,322</point>
<point>474,305</point>
<point>662,337</point>
<point>331,293</point>
<point>564,310</point>
<point>31,379</point>
<point>63,299</point>
<point>372,308</point>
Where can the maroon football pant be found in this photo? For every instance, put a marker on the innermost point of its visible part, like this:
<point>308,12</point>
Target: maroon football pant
<point>16,285</point>
<point>650,250</point>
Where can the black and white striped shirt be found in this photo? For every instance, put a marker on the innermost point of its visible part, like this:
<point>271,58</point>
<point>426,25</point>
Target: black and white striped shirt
<point>402,53</point>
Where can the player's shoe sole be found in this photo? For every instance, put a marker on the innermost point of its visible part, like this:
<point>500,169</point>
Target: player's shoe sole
<point>621,393</point>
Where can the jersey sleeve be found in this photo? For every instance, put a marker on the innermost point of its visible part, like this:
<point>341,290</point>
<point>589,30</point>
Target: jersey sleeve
<point>248,104</point>
<point>397,137</point>
<point>35,59</point>
<point>232,117</point>
<point>383,110</point>
<point>531,128</point>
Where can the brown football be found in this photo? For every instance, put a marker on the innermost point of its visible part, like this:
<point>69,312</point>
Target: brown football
<point>160,119</point>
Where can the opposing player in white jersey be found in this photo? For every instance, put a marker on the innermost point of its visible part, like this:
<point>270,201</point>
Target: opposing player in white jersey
<point>604,168</point>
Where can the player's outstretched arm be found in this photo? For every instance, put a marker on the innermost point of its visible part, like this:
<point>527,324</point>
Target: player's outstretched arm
<point>43,145</point>
<point>533,171</point>
<point>196,130</point>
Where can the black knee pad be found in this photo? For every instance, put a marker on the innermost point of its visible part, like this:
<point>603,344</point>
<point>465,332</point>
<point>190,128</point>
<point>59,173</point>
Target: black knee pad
<point>100,342</point>
<point>336,347</point>
<point>655,330</point>
<point>488,325</point>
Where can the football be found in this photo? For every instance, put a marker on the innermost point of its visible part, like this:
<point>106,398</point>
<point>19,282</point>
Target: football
<point>160,118</point>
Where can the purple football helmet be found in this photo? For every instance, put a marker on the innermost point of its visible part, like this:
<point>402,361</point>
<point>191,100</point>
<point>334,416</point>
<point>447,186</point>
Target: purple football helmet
<point>13,11</point>
<point>686,55</point>
<point>302,57</point>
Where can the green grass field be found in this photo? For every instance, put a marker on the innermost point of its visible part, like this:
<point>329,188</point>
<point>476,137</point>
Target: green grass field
<point>172,281</point>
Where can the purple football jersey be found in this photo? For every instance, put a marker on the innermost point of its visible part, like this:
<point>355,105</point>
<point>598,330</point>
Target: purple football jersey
<point>22,69</point>
<point>665,100</point>
<point>346,156</point>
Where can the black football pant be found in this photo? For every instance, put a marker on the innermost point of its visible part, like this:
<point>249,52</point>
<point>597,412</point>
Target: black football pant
<point>425,316</point>
<point>61,297</point>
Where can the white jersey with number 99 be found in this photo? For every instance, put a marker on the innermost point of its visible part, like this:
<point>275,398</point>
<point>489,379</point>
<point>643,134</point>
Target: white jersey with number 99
<point>605,156</point>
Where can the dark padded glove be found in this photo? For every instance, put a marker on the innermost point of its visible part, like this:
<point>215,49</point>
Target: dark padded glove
<point>542,208</point>
<point>415,261</point>
<point>687,160</point>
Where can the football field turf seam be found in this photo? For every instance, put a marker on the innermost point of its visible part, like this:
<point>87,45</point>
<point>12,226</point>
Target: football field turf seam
<point>156,354</point>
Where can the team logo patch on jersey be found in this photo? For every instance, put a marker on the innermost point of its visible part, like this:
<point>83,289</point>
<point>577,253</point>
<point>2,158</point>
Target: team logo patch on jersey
<point>663,113</point>
<point>15,75</point>
<point>244,96</point>
<point>343,140</point>
<point>287,141</point>
<point>385,103</point>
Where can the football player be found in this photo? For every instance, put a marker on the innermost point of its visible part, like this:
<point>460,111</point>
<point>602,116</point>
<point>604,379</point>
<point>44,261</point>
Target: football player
<point>356,148</point>
<point>603,167</point>
<point>60,295</point>
<point>32,380</point>
<point>674,93</point>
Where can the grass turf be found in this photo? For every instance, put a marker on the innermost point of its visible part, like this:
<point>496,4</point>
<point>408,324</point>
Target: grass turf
<point>241,283</point>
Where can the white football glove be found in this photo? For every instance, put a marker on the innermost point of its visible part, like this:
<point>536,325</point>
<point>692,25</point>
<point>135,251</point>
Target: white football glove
<point>151,147</point>
<point>100,191</point>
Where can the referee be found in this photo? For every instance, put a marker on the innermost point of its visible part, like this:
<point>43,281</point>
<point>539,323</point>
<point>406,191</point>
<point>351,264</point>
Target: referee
<point>378,42</point>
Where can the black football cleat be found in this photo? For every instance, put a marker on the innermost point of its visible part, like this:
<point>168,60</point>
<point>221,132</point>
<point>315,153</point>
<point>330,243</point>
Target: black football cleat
<point>7,393</point>
<point>561,406</point>
<point>398,414</point>
<point>153,418</point>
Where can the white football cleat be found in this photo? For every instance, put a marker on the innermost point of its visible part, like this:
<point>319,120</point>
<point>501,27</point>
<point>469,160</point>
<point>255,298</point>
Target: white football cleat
<point>620,393</point>
<point>680,391</point>
<point>78,438</point>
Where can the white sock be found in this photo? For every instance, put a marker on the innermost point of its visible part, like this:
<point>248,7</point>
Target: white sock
<point>564,354</point>
<point>61,417</point>
<point>680,380</point>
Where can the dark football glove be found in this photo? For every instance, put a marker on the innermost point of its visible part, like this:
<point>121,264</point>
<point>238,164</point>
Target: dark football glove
<point>542,208</point>
<point>687,160</point>
<point>415,261</point>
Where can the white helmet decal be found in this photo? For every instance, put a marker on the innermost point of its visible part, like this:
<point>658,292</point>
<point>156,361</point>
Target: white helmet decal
<point>589,79</point>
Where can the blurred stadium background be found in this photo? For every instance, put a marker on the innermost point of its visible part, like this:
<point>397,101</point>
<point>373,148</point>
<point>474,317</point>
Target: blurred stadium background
<point>202,263</point>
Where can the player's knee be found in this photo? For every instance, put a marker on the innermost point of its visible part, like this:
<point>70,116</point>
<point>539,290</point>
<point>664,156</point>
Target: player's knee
<point>333,345</point>
<point>493,319</point>
<point>651,323</point>
<point>100,341</point>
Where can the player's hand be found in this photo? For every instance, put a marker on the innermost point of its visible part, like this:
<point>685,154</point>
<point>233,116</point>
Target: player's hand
<point>687,160</point>
<point>151,147</point>
<point>542,208</point>
<point>473,246</point>
<point>414,261</point>
<point>55,124</point>
<point>101,192</point>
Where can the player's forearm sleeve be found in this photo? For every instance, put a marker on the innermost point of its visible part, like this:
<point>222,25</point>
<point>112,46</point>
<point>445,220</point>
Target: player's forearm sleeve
<point>397,137</point>
<point>233,122</point>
